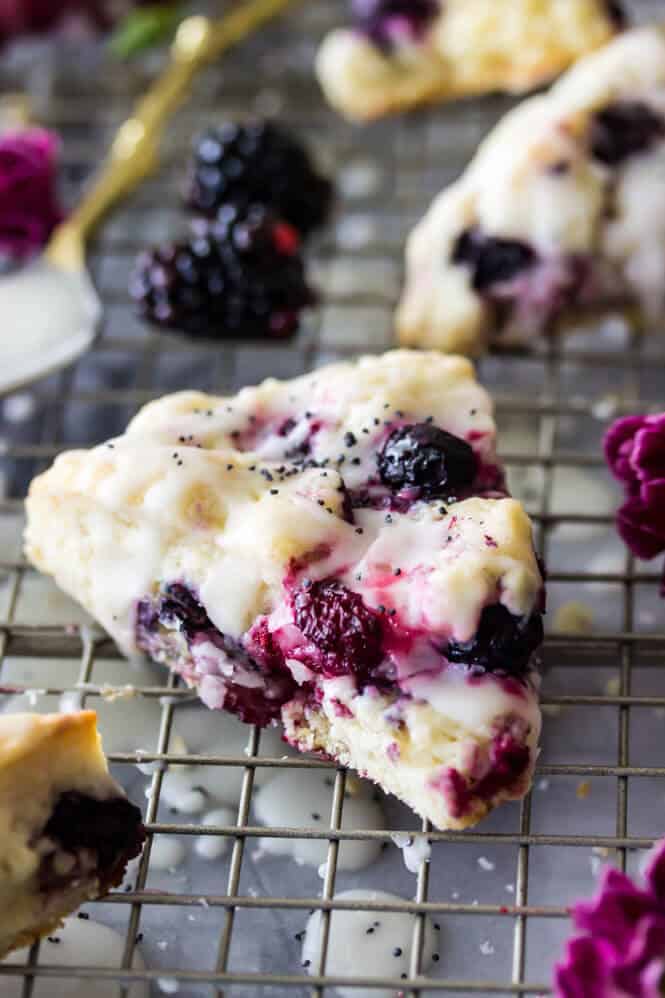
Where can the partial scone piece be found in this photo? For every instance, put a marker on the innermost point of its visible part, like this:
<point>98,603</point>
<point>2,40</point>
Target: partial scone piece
<point>336,552</point>
<point>406,52</point>
<point>561,214</point>
<point>67,830</point>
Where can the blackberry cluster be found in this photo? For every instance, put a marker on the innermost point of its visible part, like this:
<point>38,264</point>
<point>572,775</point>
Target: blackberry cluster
<point>426,458</point>
<point>239,275</point>
<point>257,163</point>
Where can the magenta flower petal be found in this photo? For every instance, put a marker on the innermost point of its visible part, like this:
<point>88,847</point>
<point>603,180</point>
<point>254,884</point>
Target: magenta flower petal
<point>635,453</point>
<point>616,909</point>
<point>583,972</point>
<point>645,537</point>
<point>648,452</point>
<point>29,209</point>
<point>620,951</point>
<point>654,871</point>
<point>619,445</point>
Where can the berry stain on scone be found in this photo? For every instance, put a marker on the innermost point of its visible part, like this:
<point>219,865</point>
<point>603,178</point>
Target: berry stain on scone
<point>559,218</point>
<point>400,53</point>
<point>337,553</point>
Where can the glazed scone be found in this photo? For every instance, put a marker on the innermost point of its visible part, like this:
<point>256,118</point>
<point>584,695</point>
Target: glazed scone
<point>560,216</point>
<point>335,552</point>
<point>66,827</point>
<point>401,53</point>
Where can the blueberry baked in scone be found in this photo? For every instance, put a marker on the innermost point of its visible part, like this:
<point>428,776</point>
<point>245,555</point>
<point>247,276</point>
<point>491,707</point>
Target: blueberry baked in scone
<point>400,53</point>
<point>338,553</point>
<point>560,216</point>
<point>67,830</point>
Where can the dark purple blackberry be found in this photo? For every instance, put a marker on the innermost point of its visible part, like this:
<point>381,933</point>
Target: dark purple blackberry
<point>492,260</point>
<point>624,129</point>
<point>111,829</point>
<point>241,275</point>
<point>617,14</point>
<point>347,633</point>
<point>257,163</point>
<point>178,607</point>
<point>422,456</point>
<point>502,643</point>
<point>385,22</point>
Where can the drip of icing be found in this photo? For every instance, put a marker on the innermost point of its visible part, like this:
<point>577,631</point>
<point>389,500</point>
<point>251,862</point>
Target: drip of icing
<point>218,733</point>
<point>366,944</point>
<point>295,798</point>
<point>215,846</point>
<point>416,850</point>
<point>52,315</point>
<point>81,943</point>
<point>168,985</point>
<point>166,852</point>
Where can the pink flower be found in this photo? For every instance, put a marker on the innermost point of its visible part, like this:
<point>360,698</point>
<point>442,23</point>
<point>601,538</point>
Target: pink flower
<point>621,953</point>
<point>635,452</point>
<point>29,209</point>
<point>28,17</point>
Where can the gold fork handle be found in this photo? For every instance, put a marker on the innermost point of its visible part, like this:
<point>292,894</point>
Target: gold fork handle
<point>135,151</point>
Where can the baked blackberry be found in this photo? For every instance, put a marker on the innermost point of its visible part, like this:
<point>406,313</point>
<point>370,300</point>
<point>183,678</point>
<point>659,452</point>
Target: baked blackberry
<point>492,260</point>
<point>239,275</point>
<point>503,642</point>
<point>257,163</point>
<point>625,129</point>
<point>426,458</point>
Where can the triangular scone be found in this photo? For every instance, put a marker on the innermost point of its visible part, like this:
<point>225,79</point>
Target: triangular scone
<point>67,831</point>
<point>407,52</point>
<point>560,216</point>
<point>336,552</point>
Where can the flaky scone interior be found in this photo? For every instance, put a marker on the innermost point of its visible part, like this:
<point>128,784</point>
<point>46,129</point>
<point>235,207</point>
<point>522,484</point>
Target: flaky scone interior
<point>400,53</point>
<point>67,830</point>
<point>337,553</point>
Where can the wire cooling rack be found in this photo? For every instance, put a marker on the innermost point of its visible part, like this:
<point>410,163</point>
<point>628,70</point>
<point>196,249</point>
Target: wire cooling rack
<point>600,787</point>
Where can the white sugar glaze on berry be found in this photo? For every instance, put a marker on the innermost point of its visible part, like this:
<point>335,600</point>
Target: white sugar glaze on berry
<point>367,944</point>
<point>221,533</point>
<point>558,218</point>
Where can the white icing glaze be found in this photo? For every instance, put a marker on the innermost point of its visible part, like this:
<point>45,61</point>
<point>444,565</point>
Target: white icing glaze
<point>415,849</point>
<point>218,733</point>
<point>82,943</point>
<point>297,799</point>
<point>355,952</point>
<point>477,707</point>
<point>213,847</point>
<point>51,314</point>
<point>166,852</point>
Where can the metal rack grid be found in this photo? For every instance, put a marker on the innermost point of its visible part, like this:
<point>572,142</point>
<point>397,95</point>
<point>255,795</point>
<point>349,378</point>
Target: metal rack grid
<point>551,391</point>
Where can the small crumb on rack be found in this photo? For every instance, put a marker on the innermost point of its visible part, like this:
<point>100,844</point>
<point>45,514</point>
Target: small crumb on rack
<point>583,790</point>
<point>573,618</point>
